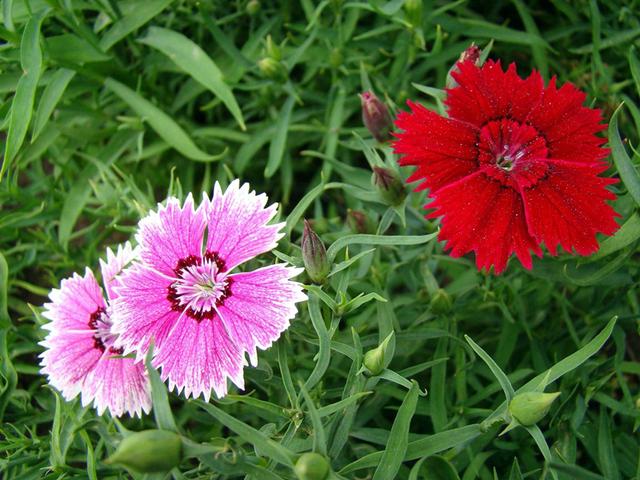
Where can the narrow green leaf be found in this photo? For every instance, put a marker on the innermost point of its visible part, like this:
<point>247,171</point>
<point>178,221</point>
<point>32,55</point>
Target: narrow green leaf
<point>163,124</point>
<point>574,471</point>
<point>625,167</point>
<point>191,59</point>
<point>495,369</point>
<point>50,97</point>
<point>319,435</point>
<point>264,444</point>
<point>23,100</point>
<point>606,451</point>
<point>276,148</point>
<point>342,404</point>
<point>394,453</point>
<point>136,14</point>
<point>324,350</point>
<point>159,397</point>
<point>628,233</point>
<point>394,240</point>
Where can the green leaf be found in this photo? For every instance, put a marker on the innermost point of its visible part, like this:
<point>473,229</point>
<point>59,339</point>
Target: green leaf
<point>324,351</point>
<point>276,148</point>
<point>495,369</point>
<point>191,59</point>
<point>625,167</point>
<point>628,233</point>
<point>394,453</point>
<point>319,435</point>
<point>574,471</point>
<point>606,450</point>
<point>259,440</point>
<point>137,13</point>
<point>163,124</point>
<point>342,404</point>
<point>23,100</point>
<point>50,98</point>
<point>159,397</point>
<point>394,240</point>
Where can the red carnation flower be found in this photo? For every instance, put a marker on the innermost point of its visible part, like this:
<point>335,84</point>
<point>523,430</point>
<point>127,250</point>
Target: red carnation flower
<point>514,165</point>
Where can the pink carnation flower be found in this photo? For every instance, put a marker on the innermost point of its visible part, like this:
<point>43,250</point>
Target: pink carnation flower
<point>202,318</point>
<point>80,356</point>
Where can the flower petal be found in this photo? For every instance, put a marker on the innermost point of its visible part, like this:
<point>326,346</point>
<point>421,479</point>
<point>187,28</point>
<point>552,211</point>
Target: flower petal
<point>260,307</point>
<point>114,264</point>
<point>74,302</point>
<point>443,149</point>
<point>199,356</point>
<point>481,215</point>
<point>119,385</point>
<point>237,224</point>
<point>141,312</point>
<point>488,92</point>
<point>568,207</point>
<point>171,234</point>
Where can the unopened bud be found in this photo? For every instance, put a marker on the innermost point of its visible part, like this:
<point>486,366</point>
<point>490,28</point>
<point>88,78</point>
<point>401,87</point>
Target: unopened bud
<point>336,58</point>
<point>377,359</point>
<point>376,116</point>
<point>311,466</point>
<point>413,11</point>
<point>440,302</point>
<point>530,407</point>
<point>253,7</point>
<point>314,255</point>
<point>389,185</point>
<point>273,69</point>
<point>272,49</point>
<point>358,221</point>
<point>149,451</point>
<point>471,54</point>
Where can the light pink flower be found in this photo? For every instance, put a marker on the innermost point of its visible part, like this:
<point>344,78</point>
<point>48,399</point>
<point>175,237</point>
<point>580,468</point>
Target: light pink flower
<point>80,356</point>
<point>202,318</point>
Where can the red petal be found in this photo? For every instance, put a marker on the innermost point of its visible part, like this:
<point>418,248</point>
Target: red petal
<point>568,127</point>
<point>482,215</point>
<point>444,150</point>
<point>489,93</point>
<point>569,207</point>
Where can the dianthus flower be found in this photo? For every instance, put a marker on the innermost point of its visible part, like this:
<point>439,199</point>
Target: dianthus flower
<point>80,356</point>
<point>183,296</point>
<point>514,165</point>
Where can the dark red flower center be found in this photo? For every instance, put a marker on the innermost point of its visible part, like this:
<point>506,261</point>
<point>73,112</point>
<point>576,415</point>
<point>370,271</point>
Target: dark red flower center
<point>202,286</point>
<point>512,152</point>
<point>100,323</point>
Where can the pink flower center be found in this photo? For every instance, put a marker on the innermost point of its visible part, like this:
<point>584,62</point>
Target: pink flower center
<point>103,339</point>
<point>512,152</point>
<point>202,286</point>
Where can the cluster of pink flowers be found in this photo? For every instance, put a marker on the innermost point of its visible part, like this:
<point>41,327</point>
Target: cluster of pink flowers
<point>176,290</point>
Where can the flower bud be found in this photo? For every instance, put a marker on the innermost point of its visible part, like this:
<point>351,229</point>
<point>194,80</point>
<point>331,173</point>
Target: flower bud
<point>376,116</point>
<point>530,407</point>
<point>440,302</point>
<point>311,466</point>
<point>273,50</point>
<point>471,54</point>
<point>377,359</point>
<point>389,185</point>
<point>413,11</point>
<point>273,69</point>
<point>149,451</point>
<point>358,221</point>
<point>314,255</point>
<point>253,7</point>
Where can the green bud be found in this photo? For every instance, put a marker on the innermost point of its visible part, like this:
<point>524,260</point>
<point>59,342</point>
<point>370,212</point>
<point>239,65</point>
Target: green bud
<point>389,185</point>
<point>311,466</point>
<point>377,359</point>
<point>149,451</point>
<point>273,50</point>
<point>358,221</point>
<point>413,12</point>
<point>530,407</point>
<point>273,69</point>
<point>336,58</point>
<point>440,302</point>
<point>314,255</point>
<point>253,7</point>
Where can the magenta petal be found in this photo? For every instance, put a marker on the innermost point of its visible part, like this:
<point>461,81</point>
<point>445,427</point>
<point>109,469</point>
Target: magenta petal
<point>199,356</point>
<point>237,224</point>
<point>260,307</point>
<point>171,234</point>
<point>119,385</point>
<point>113,266</point>
<point>74,302</point>
<point>68,358</point>
<point>141,312</point>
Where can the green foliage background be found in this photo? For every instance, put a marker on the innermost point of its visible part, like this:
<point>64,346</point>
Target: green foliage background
<point>109,106</point>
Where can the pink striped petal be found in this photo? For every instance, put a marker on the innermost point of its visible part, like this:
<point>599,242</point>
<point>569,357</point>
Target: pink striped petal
<point>113,266</point>
<point>260,307</point>
<point>171,234</point>
<point>199,356</point>
<point>237,224</point>
<point>74,302</point>
<point>142,312</point>
<point>119,385</point>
